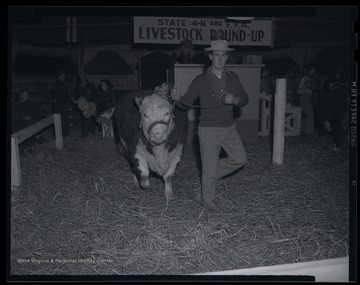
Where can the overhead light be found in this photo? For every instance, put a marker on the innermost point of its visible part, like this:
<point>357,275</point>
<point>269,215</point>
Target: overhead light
<point>240,18</point>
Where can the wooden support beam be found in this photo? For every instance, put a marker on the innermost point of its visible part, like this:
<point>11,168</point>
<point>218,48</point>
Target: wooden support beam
<point>15,162</point>
<point>279,121</point>
<point>58,131</point>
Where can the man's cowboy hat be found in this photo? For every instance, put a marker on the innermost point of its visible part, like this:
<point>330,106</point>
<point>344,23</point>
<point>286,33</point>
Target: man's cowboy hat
<point>219,45</point>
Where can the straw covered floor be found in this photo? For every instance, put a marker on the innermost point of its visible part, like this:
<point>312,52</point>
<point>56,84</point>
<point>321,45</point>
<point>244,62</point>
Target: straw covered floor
<point>79,212</point>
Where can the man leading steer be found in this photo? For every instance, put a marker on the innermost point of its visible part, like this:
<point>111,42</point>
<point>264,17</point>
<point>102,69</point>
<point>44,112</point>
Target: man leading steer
<point>218,90</point>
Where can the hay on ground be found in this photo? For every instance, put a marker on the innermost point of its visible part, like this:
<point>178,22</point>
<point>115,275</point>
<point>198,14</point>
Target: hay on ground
<point>78,211</point>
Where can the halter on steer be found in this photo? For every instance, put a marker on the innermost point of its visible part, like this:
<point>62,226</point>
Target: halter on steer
<point>168,98</point>
<point>160,122</point>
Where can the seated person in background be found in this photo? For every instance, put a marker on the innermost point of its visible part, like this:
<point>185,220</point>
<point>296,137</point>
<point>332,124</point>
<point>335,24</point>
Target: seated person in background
<point>105,100</point>
<point>105,107</point>
<point>100,105</point>
<point>185,53</point>
<point>85,90</point>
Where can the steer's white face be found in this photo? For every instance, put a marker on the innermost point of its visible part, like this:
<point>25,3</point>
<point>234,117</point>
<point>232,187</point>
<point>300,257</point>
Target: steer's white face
<point>156,118</point>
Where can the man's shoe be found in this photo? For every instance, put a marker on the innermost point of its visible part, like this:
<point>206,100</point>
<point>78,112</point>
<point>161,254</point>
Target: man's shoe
<point>211,205</point>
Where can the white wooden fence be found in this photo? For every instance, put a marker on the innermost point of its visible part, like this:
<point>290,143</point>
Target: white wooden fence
<point>22,135</point>
<point>266,112</point>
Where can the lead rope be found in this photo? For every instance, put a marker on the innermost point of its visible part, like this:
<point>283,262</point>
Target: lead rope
<point>171,100</point>
<point>199,107</point>
<point>187,105</point>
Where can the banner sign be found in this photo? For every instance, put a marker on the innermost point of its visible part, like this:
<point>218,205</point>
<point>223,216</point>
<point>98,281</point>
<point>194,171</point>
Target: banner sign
<point>171,30</point>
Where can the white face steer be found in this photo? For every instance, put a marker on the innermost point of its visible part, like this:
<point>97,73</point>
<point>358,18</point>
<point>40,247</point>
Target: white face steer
<point>156,118</point>
<point>156,124</point>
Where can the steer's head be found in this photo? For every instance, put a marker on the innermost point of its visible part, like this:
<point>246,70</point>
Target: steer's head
<point>156,116</point>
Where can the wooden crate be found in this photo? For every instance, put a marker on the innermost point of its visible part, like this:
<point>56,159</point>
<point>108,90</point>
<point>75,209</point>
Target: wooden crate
<point>266,110</point>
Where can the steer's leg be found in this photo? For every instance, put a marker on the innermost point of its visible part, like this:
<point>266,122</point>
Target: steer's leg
<point>167,178</point>
<point>142,172</point>
<point>168,187</point>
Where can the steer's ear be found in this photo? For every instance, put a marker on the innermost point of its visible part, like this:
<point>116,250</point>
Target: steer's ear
<point>138,101</point>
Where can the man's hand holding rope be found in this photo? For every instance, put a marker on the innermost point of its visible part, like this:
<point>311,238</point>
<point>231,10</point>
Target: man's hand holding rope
<point>228,99</point>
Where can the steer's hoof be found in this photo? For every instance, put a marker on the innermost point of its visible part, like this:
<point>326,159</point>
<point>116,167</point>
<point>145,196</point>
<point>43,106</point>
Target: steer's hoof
<point>169,195</point>
<point>145,183</point>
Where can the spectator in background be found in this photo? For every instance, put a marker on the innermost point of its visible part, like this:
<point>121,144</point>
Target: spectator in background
<point>332,108</point>
<point>23,114</point>
<point>336,81</point>
<point>265,81</point>
<point>60,99</point>
<point>292,82</point>
<point>306,93</point>
<point>185,53</point>
<point>105,100</point>
<point>105,106</point>
<point>87,90</point>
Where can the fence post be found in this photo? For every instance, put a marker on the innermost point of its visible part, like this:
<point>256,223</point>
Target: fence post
<point>58,131</point>
<point>279,121</point>
<point>15,162</point>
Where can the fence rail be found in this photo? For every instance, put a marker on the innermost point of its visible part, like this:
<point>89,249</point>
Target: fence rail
<point>24,134</point>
